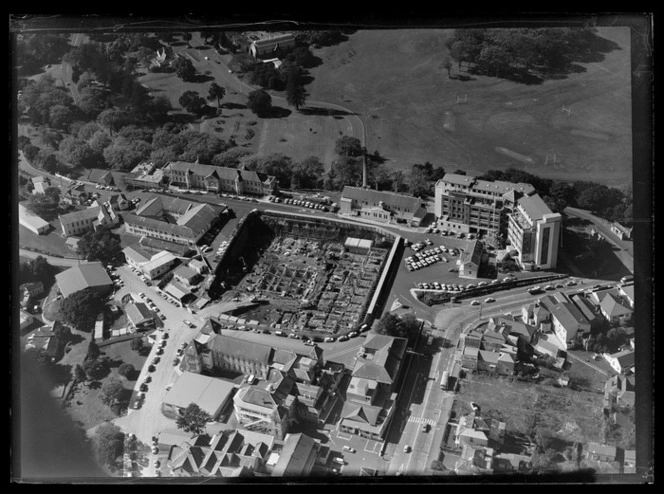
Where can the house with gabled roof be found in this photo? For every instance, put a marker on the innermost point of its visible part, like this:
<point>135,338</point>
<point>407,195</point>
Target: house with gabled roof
<point>615,310</point>
<point>622,362</point>
<point>627,293</point>
<point>601,452</point>
<point>140,317</point>
<point>370,397</point>
<point>470,260</point>
<point>82,276</point>
<point>296,457</point>
<point>629,461</point>
<point>40,183</point>
<point>211,394</point>
<point>219,179</point>
<point>381,205</point>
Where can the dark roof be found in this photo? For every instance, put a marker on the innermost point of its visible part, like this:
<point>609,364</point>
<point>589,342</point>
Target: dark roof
<point>390,199</point>
<point>138,313</point>
<point>473,253</point>
<point>221,172</point>
<point>381,360</point>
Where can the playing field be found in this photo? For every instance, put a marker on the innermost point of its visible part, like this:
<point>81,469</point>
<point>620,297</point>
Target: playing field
<point>408,104</point>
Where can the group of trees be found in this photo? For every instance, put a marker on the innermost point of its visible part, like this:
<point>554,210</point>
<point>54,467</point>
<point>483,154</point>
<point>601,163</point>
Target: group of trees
<point>37,270</point>
<point>193,419</point>
<point>108,445</point>
<point>405,326</point>
<point>33,51</point>
<point>100,245</point>
<point>614,204</point>
<point>80,309</point>
<point>504,52</point>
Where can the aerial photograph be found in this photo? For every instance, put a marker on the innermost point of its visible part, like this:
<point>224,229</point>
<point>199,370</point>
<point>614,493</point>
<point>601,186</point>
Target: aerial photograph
<point>345,253</point>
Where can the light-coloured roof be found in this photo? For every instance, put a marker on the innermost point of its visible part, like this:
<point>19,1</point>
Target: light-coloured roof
<point>136,254</point>
<point>27,216</point>
<point>457,179</point>
<point>158,260</point>
<point>82,276</point>
<point>534,207</point>
<point>613,306</point>
<point>208,393</point>
<point>138,313</point>
<point>243,349</point>
<point>177,290</point>
<point>184,272</point>
<point>601,449</point>
<point>84,214</point>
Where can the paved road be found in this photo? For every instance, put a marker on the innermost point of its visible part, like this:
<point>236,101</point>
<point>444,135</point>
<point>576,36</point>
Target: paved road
<point>55,261</point>
<point>626,253</point>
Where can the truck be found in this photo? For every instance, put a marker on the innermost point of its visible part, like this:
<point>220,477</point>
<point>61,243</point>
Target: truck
<point>444,380</point>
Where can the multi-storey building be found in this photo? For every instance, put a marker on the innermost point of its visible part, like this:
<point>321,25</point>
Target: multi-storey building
<point>534,232</point>
<point>370,396</point>
<point>290,386</point>
<point>219,179</point>
<point>81,222</point>
<point>465,204</point>
<point>172,219</point>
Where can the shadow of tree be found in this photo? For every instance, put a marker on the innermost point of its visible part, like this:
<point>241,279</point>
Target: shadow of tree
<point>200,78</point>
<point>462,77</point>
<point>94,384</point>
<point>233,106</point>
<point>276,112</point>
<point>115,363</point>
<point>318,111</point>
<point>75,339</point>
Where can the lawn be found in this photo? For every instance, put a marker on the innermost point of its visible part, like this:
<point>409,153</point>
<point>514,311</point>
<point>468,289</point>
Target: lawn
<point>394,80</point>
<point>51,243</point>
<point>573,415</point>
<point>86,407</point>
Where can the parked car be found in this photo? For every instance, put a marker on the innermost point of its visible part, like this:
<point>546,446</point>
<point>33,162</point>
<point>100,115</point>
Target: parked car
<point>349,449</point>
<point>189,323</point>
<point>143,387</point>
<point>147,379</point>
<point>406,449</point>
<point>352,334</point>
<point>343,338</point>
<point>156,360</point>
<point>475,302</point>
<point>329,339</point>
<point>489,300</point>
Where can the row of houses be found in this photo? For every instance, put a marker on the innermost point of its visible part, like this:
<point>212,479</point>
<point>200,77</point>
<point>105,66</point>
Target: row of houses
<point>242,453</point>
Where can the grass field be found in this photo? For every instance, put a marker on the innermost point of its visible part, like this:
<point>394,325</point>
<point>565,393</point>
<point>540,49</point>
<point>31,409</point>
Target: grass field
<point>575,415</point>
<point>407,102</point>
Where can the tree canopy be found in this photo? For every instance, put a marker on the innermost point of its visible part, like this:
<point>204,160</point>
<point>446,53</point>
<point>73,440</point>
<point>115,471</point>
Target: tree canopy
<point>259,102</point>
<point>101,245</point>
<point>216,93</point>
<point>193,419</point>
<point>112,392</point>
<point>184,69</point>
<point>37,270</point>
<point>109,444</point>
<point>80,309</point>
<point>193,103</point>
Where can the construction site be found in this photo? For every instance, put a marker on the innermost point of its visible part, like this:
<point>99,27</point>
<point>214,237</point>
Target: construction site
<point>308,275</point>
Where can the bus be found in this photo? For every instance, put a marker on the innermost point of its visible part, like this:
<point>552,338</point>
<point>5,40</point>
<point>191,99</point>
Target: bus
<point>443,381</point>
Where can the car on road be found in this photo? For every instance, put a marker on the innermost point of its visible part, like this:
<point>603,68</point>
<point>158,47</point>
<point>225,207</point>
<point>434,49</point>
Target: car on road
<point>548,287</point>
<point>425,427</point>
<point>343,338</point>
<point>352,334</point>
<point>176,361</point>
<point>162,317</point>
<point>294,336</point>
<point>489,300</point>
<point>189,323</point>
<point>144,387</point>
<point>329,339</point>
<point>349,449</point>
<point>559,285</point>
<point>155,450</point>
<point>406,448</point>
<point>160,351</point>
<point>309,343</point>
<point>475,302</point>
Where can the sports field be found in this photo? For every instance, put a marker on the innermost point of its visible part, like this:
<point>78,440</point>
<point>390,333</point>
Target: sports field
<point>394,80</point>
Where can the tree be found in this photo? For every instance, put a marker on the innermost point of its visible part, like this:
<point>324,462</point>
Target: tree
<point>99,141</point>
<point>447,65</point>
<point>113,119</point>
<point>200,146</point>
<point>61,117</point>
<point>30,152</point>
<point>276,164</point>
<point>388,324</point>
<point>126,369</point>
<point>137,344</point>
<point>78,152</point>
<point>193,103</point>
<point>101,245</point>
<point>230,158</point>
<point>309,172</point>
<point>302,56</point>
<point>216,92</point>
<point>47,160</point>
<point>43,205</point>
<point>93,351</point>
<point>193,419</point>
<point>89,129</point>
<point>184,68</point>
<point>259,102</point>
<point>124,154</point>
<point>349,146</point>
<point>79,373</point>
<point>80,309</point>
<point>296,95</point>
<point>63,333</point>
<point>348,170</point>
<point>109,444</point>
<point>186,36</point>
<point>136,133</point>
<point>96,369</point>
<point>112,391</point>
<point>409,325</point>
